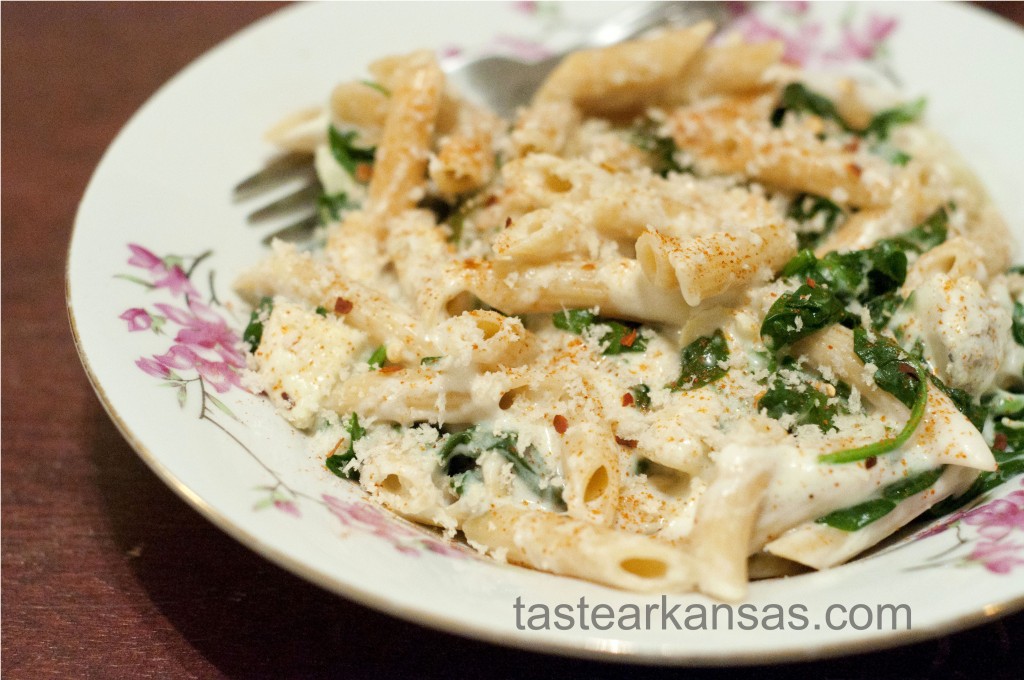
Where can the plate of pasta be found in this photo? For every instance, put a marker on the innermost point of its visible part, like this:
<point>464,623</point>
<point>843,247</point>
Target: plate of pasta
<point>712,353</point>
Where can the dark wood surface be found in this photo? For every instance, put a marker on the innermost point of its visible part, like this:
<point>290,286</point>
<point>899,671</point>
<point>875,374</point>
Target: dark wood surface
<point>106,573</point>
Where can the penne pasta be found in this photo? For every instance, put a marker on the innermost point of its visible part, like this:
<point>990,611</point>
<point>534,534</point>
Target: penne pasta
<point>691,319</point>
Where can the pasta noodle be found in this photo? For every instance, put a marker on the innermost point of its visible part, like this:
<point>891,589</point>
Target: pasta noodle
<point>684,322</point>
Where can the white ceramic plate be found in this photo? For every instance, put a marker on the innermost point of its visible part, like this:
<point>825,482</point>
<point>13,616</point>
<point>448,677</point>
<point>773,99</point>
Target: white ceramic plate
<point>167,375</point>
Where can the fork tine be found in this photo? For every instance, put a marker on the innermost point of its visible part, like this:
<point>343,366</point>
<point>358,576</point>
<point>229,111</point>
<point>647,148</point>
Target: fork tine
<point>300,198</point>
<point>295,232</point>
<point>276,172</point>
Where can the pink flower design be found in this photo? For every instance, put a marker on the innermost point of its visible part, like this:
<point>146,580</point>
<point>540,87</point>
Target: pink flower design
<point>525,6</point>
<point>141,257</point>
<point>219,374</point>
<point>999,558</point>
<point>175,280</point>
<point>153,367</point>
<point>864,43</point>
<point>800,45</point>
<point>362,516</point>
<point>287,507</point>
<point>172,278</point>
<point>998,518</point>
<point>138,319</point>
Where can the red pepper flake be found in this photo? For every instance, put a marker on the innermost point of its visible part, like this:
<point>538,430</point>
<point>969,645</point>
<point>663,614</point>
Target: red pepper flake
<point>390,368</point>
<point>627,399</point>
<point>560,423</point>
<point>628,443</point>
<point>342,306</point>
<point>589,267</point>
<point>811,283</point>
<point>629,338</point>
<point>907,369</point>
<point>870,462</point>
<point>1001,442</point>
<point>364,171</point>
<point>508,222</point>
<point>490,200</point>
<point>854,169</point>
<point>852,146</point>
<point>286,397</point>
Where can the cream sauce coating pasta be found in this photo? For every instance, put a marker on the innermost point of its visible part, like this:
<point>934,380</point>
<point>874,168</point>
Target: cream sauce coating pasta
<point>643,337</point>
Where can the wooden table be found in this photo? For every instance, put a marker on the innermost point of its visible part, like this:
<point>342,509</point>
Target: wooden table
<point>106,573</point>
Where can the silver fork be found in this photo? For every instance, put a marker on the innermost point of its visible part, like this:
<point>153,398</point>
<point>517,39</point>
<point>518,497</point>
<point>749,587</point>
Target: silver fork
<point>501,83</point>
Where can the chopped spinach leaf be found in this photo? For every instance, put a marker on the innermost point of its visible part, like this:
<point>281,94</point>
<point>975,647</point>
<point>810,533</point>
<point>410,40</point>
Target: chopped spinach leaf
<point>337,463</point>
<point>641,396</point>
<point>860,515</point>
<point>895,373</point>
<point>805,403</point>
<point>900,376</point>
<point>253,333</point>
<point>798,97</point>
<point>349,156</point>
<point>883,122</point>
<point>1018,323</point>
<point>331,206</point>
<point>662,149</point>
<point>701,362</point>
<point>806,208</point>
<point>379,356</point>
<point>574,320</point>
<point>797,314</point>
<point>619,338</point>
<point>428,361</point>
<point>925,236</point>
<point>461,450</point>
<point>882,307</point>
<point>321,310</point>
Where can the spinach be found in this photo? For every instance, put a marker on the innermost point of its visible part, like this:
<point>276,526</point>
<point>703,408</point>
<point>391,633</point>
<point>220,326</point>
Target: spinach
<point>894,373</point>
<point>798,97</point>
<point>641,396</point>
<point>882,307</point>
<point>337,463</point>
<point>330,206</point>
<point>619,338</point>
<point>882,122</point>
<point>855,275</point>
<point>803,401</point>
<point>1018,323</point>
<point>925,236</point>
<point>429,361</point>
<point>860,515</point>
<point>348,155</point>
<point>574,320</point>
<point>701,362</point>
<point>890,153</point>
<point>321,310</point>
<point>662,149</point>
<point>253,333</point>
<point>461,450</point>
<point>897,374</point>
<point>379,356</point>
<point>798,314</point>
<point>806,208</point>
